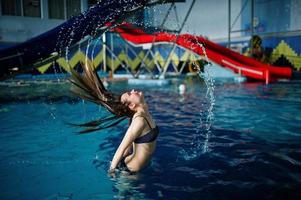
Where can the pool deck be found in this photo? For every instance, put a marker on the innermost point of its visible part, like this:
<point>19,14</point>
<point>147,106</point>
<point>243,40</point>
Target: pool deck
<point>215,71</point>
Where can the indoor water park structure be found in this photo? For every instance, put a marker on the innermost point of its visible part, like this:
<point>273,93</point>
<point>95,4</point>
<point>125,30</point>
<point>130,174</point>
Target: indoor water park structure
<point>166,51</point>
<point>221,80</point>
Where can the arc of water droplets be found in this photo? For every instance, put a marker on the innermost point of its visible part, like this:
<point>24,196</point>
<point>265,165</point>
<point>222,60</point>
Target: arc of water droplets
<point>201,146</point>
<point>206,76</point>
<point>209,81</point>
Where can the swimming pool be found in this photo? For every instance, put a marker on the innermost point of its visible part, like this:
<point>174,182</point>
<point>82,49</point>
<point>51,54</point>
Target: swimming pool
<point>254,145</point>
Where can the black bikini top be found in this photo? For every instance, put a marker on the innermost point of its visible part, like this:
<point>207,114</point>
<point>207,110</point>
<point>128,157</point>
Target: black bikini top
<point>149,136</point>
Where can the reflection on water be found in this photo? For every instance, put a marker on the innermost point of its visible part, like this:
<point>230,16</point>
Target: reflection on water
<point>255,149</point>
<point>248,161</point>
<point>237,162</point>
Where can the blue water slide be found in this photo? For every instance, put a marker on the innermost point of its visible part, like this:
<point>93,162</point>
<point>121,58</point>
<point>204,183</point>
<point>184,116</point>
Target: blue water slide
<point>20,58</point>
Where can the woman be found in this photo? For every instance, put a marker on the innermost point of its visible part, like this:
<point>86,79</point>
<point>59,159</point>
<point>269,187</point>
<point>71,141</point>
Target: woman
<point>139,142</point>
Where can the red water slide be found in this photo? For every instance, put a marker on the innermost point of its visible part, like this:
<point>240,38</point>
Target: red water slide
<point>243,65</point>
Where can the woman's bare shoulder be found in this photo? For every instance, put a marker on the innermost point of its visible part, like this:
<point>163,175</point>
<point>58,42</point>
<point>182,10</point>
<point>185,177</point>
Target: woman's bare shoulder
<point>137,121</point>
<point>139,117</point>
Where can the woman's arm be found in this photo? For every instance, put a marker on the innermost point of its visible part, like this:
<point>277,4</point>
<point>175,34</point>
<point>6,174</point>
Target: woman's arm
<point>132,133</point>
<point>129,150</point>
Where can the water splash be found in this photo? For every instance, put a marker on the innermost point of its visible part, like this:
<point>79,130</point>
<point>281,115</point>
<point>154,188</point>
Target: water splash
<point>203,130</point>
<point>209,81</point>
<point>201,142</point>
<point>87,52</point>
<point>95,43</point>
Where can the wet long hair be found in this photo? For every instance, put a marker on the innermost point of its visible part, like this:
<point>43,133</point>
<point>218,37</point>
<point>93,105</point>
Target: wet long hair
<point>88,86</point>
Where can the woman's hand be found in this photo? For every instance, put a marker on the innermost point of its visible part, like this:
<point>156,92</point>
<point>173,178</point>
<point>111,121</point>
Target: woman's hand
<point>128,151</point>
<point>111,171</point>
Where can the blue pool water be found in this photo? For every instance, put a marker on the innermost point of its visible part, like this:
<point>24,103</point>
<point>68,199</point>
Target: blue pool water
<point>254,145</point>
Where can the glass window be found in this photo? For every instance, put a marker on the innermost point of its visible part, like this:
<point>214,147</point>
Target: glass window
<point>73,8</point>
<point>56,9</point>
<point>32,8</point>
<point>11,7</point>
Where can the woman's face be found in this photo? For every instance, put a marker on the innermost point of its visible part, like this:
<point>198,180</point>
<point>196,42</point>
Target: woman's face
<point>132,97</point>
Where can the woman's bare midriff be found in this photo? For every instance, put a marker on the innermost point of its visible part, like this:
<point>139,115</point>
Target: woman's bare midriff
<point>142,156</point>
<point>142,152</point>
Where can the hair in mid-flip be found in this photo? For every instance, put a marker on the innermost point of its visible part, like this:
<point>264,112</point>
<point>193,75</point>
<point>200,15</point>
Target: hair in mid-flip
<point>88,86</point>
